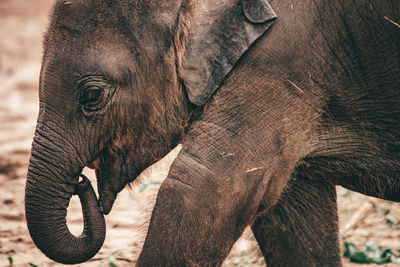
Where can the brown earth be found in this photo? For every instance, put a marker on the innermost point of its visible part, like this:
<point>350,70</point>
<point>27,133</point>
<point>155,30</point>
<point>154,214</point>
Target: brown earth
<point>22,26</point>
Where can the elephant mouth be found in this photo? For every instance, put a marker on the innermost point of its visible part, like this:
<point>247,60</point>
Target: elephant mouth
<point>107,196</point>
<point>94,165</point>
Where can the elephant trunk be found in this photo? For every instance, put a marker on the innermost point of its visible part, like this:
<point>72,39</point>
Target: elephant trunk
<point>47,196</point>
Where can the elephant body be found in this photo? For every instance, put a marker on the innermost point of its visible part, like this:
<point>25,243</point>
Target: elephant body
<point>274,103</point>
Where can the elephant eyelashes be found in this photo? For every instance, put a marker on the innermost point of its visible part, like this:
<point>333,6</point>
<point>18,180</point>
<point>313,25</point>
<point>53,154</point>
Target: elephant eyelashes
<point>92,94</point>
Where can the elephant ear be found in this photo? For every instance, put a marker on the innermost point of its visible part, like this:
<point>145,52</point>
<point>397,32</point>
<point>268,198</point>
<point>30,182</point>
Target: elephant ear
<point>219,33</point>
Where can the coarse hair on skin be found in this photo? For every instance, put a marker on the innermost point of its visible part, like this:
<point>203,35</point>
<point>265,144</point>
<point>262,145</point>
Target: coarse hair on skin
<point>146,130</point>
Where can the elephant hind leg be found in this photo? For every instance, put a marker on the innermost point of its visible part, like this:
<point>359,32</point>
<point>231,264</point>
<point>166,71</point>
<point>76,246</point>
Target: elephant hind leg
<point>302,228</point>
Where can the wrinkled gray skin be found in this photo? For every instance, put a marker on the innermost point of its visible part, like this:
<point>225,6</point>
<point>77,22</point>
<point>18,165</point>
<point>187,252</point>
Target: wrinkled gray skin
<point>312,104</point>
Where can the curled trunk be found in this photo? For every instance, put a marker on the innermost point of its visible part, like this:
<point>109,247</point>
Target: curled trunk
<point>46,202</point>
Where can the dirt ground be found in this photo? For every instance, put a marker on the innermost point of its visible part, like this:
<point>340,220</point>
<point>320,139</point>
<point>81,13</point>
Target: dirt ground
<point>22,26</point>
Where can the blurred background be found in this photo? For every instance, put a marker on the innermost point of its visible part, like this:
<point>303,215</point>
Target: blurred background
<point>370,228</point>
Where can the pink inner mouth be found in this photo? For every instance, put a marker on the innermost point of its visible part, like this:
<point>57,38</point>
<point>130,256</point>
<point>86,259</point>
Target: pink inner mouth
<point>95,165</point>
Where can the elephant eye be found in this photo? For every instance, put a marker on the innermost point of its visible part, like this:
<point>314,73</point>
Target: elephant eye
<point>94,92</point>
<point>92,95</point>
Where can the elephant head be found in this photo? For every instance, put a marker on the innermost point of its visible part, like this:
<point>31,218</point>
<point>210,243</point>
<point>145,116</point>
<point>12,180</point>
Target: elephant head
<point>112,97</point>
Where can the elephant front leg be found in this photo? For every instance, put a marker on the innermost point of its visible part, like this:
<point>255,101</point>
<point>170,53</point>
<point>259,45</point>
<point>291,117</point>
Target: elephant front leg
<point>302,228</point>
<point>199,214</point>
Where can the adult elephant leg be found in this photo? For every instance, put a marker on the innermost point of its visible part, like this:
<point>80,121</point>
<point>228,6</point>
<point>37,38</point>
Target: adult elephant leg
<point>214,190</point>
<point>198,215</point>
<point>302,229</point>
<point>229,160</point>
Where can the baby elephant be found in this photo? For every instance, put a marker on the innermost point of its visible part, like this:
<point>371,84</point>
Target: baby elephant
<point>274,102</point>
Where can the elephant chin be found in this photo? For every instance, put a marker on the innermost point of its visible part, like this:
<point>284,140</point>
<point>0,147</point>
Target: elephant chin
<point>107,201</point>
<point>106,195</point>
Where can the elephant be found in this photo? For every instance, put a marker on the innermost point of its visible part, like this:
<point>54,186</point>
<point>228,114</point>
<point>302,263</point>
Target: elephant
<point>274,102</point>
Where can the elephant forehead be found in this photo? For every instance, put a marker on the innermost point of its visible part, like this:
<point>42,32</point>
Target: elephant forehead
<point>64,66</point>
<point>111,59</point>
<point>83,49</point>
